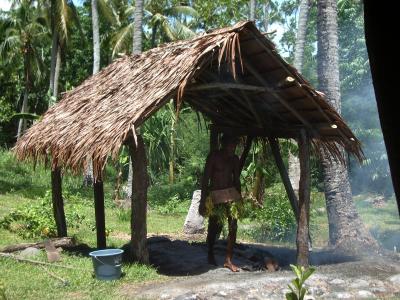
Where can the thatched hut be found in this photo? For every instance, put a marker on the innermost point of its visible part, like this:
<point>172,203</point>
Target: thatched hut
<point>233,75</point>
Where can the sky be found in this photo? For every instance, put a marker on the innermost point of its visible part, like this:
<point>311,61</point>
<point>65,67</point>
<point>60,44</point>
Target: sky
<point>5,4</point>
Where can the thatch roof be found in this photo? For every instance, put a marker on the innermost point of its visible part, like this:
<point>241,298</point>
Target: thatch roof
<point>233,75</point>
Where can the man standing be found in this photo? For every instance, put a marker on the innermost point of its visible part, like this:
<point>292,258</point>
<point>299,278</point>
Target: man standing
<point>221,182</point>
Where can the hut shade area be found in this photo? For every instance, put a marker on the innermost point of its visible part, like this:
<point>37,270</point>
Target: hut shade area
<point>232,75</point>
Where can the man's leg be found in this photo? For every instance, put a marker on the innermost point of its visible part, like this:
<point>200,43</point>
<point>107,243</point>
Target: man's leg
<point>232,223</point>
<point>214,229</point>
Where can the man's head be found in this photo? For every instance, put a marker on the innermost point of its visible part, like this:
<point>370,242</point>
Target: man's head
<point>229,142</point>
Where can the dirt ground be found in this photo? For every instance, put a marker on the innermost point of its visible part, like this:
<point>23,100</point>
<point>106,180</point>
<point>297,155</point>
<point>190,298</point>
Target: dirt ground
<point>184,260</point>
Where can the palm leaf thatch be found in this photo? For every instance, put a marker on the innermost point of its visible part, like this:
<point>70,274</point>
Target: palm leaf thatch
<point>232,75</point>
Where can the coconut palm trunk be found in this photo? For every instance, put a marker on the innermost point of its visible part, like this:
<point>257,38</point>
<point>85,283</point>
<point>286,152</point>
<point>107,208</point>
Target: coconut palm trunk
<point>136,49</point>
<point>88,179</point>
<point>22,122</point>
<point>304,11</point>
<point>137,30</point>
<point>172,152</point>
<point>252,15</point>
<point>53,62</point>
<point>346,231</point>
<point>266,15</point>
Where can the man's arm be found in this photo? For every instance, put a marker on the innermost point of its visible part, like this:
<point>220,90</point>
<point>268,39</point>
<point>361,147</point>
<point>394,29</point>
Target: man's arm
<point>236,174</point>
<point>205,183</point>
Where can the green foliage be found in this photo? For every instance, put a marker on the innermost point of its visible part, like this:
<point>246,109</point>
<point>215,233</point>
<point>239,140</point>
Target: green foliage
<point>173,205</point>
<point>37,220</point>
<point>275,219</point>
<point>236,209</point>
<point>298,290</point>
<point>123,215</point>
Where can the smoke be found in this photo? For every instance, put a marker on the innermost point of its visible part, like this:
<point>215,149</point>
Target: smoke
<point>360,111</point>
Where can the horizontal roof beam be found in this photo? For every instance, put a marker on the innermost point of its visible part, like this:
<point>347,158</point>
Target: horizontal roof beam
<point>225,85</point>
<point>258,132</point>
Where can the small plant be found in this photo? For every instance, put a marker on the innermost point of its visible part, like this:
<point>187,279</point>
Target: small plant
<point>298,290</point>
<point>36,220</point>
<point>123,215</point>
<point>173,205</point>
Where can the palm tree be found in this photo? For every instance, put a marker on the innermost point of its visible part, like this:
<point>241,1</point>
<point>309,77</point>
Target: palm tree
<point>62,15</point>
<point>304,10</point>
<point>345,227</point>
<point>168,23</point>
<point>266,21</point>
<point>107,11</point>
<point>252,14</point>
<point>137,28</point>
<point>23,31</point>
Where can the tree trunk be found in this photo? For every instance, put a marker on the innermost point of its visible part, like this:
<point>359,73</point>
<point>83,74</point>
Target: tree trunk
<point>304,10</point>
<point>252,16</point>
<point>137,30</point>
<point>172,154</point>
<point>57,73</point>
<point>302,240</point>
<point>88,178</point>
<point>54,50</point>
<point>139,250</point>
<point>154,35</point>
<point>137,49</point>
<point>266,15</point>
<point>96,37</point>
<point>24,109</point>
<point>345,227</point>
<point>58,202</point>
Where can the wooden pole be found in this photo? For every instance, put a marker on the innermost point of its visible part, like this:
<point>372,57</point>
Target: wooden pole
<point>285,176</point>
<point>302,240</point>
<point>140,184</point>
<point>99,213</point>
<point>58,203</point>
<point>245,152</point>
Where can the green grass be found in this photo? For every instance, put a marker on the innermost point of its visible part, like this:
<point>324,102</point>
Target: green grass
<point>27,281</point>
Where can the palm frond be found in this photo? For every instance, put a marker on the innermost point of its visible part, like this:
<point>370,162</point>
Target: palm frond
<point>107,10</point>
<point>122,39</point>
<point>182,31</point>
<point>180,10</point>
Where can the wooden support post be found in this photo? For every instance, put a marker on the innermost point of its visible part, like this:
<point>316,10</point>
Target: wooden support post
<point>58,203</point>
<point>99,213</point>
<point>304,200</point>
<point>245,152</point>
<point>140,184</point>
<point>285,176</point>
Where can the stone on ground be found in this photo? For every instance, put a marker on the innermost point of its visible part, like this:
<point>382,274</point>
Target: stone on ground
<point>194,222</point>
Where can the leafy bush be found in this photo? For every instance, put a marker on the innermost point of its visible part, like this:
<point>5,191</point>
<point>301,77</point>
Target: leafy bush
<point>160,195</point>
<point>276,219</point>
<point>36,220</point>
<point>173,205</point>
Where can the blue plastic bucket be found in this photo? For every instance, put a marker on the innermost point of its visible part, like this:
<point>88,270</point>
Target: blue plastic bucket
<point>107,263</point>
